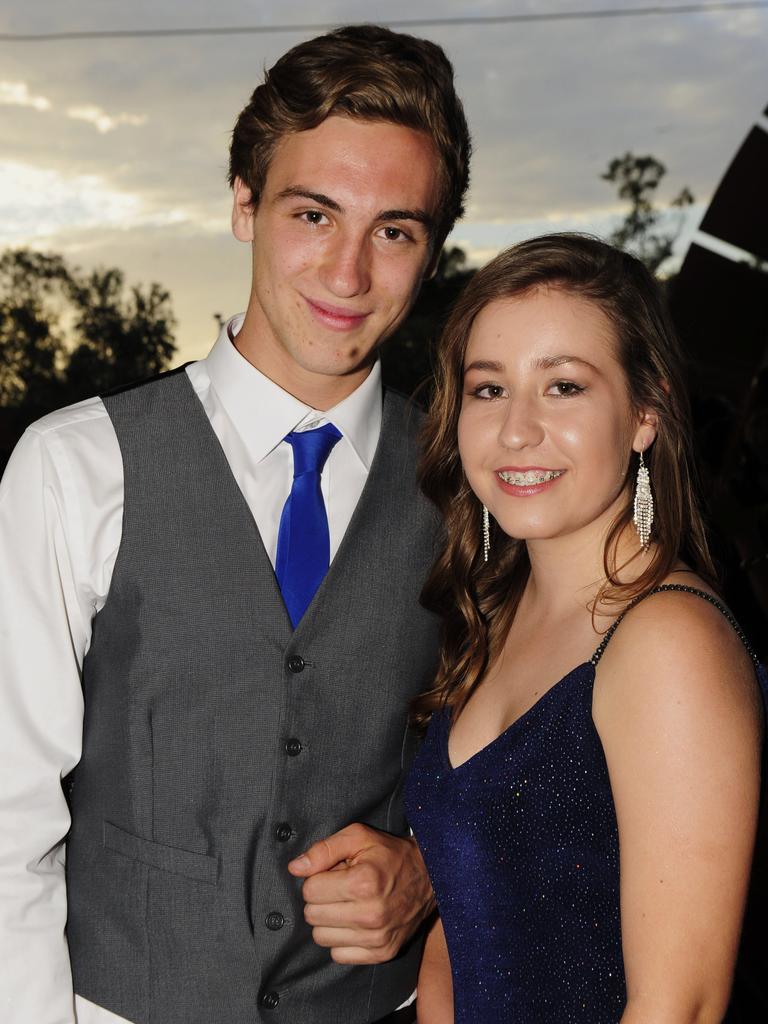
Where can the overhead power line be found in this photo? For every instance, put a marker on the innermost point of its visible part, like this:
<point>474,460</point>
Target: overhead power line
<point>501,19</point>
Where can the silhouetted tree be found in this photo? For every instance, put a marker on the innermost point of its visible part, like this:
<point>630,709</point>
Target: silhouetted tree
<point>65,335</point>
<point>406,358</point>
<point>646,231</point>
<point>32,299</point>
<point>121,338</point>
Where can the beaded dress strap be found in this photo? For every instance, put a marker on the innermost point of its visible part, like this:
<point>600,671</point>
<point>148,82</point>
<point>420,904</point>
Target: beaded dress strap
<point>682,588</point>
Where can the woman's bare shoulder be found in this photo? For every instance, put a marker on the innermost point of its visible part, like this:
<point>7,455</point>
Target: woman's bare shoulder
<point>678,646</point>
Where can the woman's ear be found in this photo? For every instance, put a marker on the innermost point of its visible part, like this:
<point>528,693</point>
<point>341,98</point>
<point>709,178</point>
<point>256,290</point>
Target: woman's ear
<point>242,211</point>
<point>645,433</point>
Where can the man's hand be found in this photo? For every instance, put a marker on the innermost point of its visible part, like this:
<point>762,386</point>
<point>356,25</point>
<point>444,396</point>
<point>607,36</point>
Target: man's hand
<point>366,892</point>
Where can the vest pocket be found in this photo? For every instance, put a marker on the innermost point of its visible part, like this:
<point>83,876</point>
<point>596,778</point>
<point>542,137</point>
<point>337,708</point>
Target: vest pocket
<point>198,866</point>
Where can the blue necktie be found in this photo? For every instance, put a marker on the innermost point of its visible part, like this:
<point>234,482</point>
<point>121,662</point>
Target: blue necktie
<point>303,544</point>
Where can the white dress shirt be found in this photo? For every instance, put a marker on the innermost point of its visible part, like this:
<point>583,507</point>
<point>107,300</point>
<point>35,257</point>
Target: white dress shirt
<point>61,507</point>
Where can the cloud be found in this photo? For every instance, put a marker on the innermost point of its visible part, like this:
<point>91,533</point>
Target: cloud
<point>43,205</point>
<point>481,240</point>
<point>17,94</point>
<point>103,121</point>
<point>743,23</point>
<point>39,203</point>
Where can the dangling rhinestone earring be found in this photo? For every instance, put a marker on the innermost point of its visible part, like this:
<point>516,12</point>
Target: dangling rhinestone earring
<point>643,517</point>
<point>486,534</point>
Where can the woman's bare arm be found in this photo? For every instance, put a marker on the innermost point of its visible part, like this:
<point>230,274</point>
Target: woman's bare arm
<point>435,988</point>
<point>678,712</point>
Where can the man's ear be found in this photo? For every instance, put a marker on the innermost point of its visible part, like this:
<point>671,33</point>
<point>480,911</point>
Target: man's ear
<point>434,263</point>
<point>242,211</point>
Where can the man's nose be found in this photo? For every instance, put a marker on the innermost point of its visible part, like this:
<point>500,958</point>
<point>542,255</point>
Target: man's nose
<point>346,271</point>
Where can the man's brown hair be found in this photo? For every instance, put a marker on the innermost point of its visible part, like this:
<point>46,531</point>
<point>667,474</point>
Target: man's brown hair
<point>366,72</point>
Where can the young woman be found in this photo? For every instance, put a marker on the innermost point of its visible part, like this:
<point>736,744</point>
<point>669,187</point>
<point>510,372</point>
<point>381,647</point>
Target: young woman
<point>586,796</point>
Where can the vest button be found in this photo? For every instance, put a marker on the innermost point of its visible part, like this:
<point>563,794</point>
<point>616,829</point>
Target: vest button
<point>274,921</point>
<point>296,663</point>
<point>283,832</point>
<point>292,747</point>
<point>269,1000</point>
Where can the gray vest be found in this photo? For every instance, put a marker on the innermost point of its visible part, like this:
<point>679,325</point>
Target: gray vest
<point>219,743</point>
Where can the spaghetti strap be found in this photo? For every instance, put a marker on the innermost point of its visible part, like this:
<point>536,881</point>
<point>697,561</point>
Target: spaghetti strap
<point>682,588</point>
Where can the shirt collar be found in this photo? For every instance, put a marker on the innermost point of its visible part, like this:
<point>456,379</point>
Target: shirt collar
<point>262,413</point>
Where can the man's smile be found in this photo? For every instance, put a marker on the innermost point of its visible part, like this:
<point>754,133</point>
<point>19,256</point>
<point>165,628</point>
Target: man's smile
<point>337,318</point>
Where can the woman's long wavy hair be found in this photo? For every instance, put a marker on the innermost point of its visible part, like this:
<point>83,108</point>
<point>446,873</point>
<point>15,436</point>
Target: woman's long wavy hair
<point>476,600</point>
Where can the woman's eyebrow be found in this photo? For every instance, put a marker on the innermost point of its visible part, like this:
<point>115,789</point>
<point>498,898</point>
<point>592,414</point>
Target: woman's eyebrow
<point>484,364</point>
<point>550,362</point>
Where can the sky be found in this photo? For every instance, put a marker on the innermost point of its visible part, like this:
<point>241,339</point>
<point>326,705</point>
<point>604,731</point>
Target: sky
<point>114,151</point>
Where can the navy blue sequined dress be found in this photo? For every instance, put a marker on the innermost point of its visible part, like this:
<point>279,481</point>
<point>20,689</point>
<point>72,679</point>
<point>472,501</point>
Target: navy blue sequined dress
<point>521,844</point>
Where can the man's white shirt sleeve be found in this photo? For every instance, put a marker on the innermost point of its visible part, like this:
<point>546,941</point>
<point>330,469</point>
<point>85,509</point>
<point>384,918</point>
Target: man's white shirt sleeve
<point>45,623</point>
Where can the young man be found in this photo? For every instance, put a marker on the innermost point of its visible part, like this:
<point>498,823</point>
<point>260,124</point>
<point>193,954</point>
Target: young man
<point>232,723</point>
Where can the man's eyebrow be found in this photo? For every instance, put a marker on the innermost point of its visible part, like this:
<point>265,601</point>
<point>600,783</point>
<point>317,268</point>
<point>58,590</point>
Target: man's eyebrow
<point>420,216</point>
<point>297,192</point>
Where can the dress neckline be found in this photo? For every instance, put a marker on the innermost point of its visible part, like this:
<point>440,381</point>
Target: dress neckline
<point>444,719</point>
<point>591,664</point>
